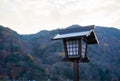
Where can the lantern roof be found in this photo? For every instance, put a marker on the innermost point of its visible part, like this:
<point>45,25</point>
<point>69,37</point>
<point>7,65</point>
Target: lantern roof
<point>86,32</point>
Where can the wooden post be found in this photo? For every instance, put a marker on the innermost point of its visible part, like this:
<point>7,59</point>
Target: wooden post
<point>76,70</point>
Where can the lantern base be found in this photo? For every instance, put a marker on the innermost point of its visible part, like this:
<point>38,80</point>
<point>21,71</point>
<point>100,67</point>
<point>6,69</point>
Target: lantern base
<point>70,59</point>
<point>84,59</point>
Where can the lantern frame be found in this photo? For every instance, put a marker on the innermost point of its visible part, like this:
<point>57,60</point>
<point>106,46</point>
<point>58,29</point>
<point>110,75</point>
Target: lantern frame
<point>72,47</point>
<point>75,51</point>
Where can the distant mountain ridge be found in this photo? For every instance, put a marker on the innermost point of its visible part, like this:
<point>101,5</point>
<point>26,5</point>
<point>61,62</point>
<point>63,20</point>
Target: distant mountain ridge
<point>36,57</point>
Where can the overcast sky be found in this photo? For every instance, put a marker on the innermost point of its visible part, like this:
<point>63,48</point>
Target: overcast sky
<point>31,16</point>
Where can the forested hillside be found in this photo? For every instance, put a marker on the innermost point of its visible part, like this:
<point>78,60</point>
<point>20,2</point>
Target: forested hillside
<point>36,57</point>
